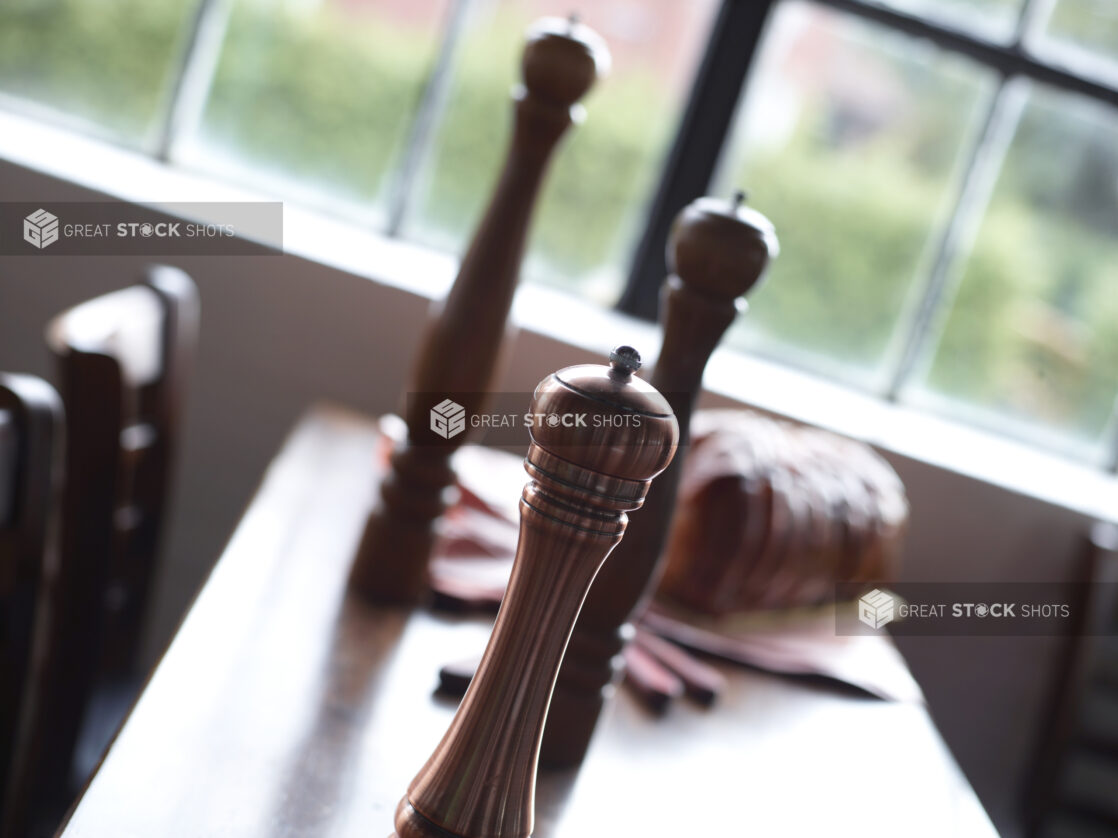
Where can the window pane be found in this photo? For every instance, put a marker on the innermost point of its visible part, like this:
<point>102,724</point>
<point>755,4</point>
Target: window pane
<point>109,63</point>
<point>1033,332</point>
<point>1088,27</point>
<point>994,19</point>
<point>596,195</point>
<point>850,139</point>
<point>320,93</point>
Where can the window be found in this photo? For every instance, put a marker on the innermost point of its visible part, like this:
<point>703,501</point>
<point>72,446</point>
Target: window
<point>1030,334</point>
<point>944,180</point>
<point>850,138</point>
<point>994,19</point>
<point>943,174</point>
<point>1083,31</point>
<point>316,99</point>
<point>108,67</point>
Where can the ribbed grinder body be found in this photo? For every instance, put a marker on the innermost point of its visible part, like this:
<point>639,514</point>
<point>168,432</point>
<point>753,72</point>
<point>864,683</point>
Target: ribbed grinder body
<point>459,352</point>
<point>717,252</point>
<point>612,435</point>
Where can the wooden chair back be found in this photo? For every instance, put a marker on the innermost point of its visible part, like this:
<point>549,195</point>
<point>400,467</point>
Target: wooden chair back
<point>1075,788</point>
<point>30,438</point>
<point>122,362</point>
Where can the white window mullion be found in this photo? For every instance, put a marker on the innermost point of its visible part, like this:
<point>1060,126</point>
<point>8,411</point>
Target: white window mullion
<point>197,67</point>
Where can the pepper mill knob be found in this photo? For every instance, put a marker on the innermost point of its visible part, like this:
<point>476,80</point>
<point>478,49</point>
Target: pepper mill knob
<point>562,59</point>
<point>721,247</point>
<point>599,435</point>
<point>624,361</point>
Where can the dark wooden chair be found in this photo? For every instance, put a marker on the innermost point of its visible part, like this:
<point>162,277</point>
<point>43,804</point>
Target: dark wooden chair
<point>30,442</point>
<point>1075,793</point>
<point>122,364</point>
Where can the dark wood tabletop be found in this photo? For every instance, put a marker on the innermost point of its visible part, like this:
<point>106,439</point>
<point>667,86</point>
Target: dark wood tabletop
<point>284,707</point>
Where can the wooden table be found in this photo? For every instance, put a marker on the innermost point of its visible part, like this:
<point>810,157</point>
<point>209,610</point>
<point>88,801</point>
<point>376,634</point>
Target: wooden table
<point>286,708</point>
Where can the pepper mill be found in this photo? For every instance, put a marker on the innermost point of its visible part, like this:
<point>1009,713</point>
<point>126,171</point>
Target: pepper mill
<point>603,435</point>
<point>717,252</point>
<point>561,61</point>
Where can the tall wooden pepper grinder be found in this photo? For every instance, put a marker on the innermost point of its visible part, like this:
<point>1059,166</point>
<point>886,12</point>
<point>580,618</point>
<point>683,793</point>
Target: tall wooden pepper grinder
<point>601,436</point>
<point>459,353</point>
<point>717,252</point>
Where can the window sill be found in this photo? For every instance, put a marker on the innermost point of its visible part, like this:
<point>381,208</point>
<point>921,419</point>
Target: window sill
<point>732,377</point>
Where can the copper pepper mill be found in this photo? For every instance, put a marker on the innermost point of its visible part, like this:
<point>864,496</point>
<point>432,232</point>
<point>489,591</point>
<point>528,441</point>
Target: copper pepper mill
<point>601,435</point>
<point>458,356</point>
<point>717,252</point>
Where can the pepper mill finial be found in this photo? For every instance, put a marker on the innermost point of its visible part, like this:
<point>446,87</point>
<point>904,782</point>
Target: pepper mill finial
<point>562,59</point>
<point>721,247</point>
<point>624,361</point>
<point>717,251</point>
<point>584,477</point>
<point>459,353</point>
